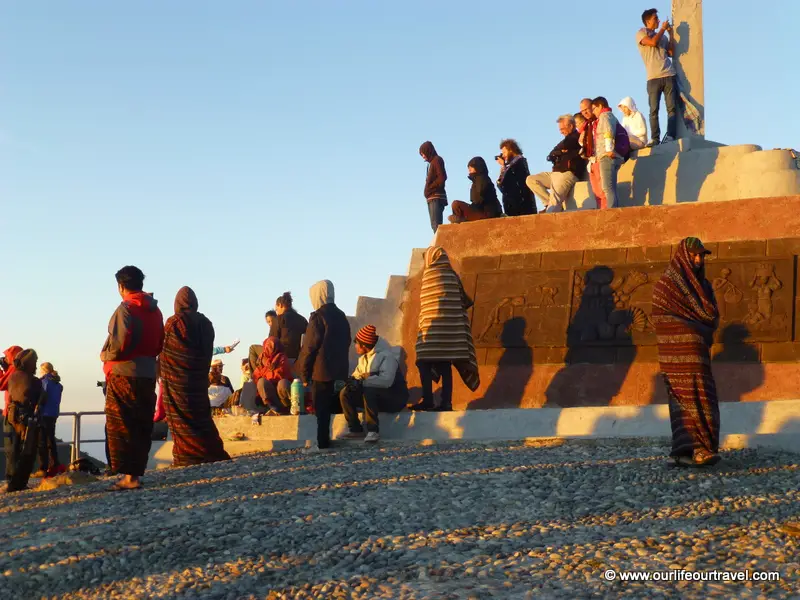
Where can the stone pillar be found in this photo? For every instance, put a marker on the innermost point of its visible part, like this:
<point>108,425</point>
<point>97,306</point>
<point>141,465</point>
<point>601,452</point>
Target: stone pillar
<point>687,23</point>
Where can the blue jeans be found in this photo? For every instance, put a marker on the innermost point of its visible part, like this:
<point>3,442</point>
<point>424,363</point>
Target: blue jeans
<point>608,179</point>
<point>655,87</point>
<point>436,212</point>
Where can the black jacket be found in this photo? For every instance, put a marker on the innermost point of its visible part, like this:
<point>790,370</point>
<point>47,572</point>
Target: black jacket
<point>326,347</point>
<point>289,329</point>
<point>436,176</point>
<point>483,196</point>
<point>517,196</point>
<point>566,155</point>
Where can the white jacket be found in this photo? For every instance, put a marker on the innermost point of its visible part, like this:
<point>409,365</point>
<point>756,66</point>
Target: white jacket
<point>378,367</point>
<point>635,124</point>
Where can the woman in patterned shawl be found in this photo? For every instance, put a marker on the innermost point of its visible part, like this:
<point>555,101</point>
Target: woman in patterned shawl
<point>185,361</point>
<point>444,337</point>
<point>685,317</point>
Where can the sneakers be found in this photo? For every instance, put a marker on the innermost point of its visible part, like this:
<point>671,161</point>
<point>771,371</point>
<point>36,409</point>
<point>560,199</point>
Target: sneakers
<point>668,139</point>
<point>256,419</point>
<point>455,219</point>
<point>653,143</point>
<point>372,437</point>
<point>38,474</point>
<point>352,435</point>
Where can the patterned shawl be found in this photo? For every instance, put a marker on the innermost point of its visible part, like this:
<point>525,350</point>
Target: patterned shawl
<point>445,334</point>
<point>683,293</point>
<point>188,340</point>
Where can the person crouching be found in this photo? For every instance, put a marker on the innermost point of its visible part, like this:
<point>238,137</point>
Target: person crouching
<point>377,385</point>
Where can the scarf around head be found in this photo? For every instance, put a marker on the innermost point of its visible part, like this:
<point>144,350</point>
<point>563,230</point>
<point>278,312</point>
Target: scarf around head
<point>682,292</point>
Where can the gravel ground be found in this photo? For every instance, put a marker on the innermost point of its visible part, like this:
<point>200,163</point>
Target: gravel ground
<point>456,520</point>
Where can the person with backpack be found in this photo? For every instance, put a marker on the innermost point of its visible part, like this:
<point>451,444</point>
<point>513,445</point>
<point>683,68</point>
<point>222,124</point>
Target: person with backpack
<point>611,149</point>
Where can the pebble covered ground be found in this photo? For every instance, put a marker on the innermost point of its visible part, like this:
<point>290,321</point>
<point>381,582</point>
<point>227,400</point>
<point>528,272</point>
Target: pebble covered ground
<point>448,521</point>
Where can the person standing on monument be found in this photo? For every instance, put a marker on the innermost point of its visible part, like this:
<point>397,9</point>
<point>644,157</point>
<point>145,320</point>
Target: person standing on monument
<point>656,45</point>
<point>434,184</point>
<point>518,199</point>
<point>685,317</point>
<point>555,187</point>
<point>606,158</point>
<point>135,339</point>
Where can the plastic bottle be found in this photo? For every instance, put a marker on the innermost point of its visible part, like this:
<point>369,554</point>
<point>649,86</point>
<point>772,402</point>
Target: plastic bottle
<point>298,400</point>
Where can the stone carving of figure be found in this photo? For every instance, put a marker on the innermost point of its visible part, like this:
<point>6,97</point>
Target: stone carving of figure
<point>496,316</point>
<point>765,283</point>
<point>727,292</point>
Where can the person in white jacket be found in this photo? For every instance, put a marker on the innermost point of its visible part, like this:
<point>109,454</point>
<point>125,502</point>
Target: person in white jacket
<point>377,385</point>
<point>634,123</point>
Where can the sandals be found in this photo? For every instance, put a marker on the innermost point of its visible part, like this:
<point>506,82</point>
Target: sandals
<point>700,459</point>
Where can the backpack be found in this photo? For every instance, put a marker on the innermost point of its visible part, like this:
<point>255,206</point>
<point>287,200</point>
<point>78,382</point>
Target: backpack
<point>622,143</point>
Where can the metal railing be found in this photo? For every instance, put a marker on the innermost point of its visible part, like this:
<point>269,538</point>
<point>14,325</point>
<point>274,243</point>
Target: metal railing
<point>75,444</point>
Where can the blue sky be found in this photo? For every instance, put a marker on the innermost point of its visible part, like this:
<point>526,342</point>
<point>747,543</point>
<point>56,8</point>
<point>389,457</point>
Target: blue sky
<point>247,148</point>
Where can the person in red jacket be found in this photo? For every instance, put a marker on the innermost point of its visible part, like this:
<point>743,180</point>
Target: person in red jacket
<point>135,339</point>
<point>273,378</point>
<point>6,371</point>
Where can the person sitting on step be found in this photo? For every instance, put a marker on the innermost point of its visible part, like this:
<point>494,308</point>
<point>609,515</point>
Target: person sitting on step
<point>377,385</point>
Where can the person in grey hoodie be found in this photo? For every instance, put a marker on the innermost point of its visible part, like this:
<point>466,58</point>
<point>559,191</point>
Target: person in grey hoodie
<point>324,357</point>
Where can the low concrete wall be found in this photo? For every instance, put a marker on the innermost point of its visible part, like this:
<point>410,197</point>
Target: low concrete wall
<point>773,424</point>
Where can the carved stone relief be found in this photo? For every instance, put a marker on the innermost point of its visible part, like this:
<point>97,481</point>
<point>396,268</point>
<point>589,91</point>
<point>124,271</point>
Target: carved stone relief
<point>611,305</point>
<point>537,301</point>
<point>755,293</point>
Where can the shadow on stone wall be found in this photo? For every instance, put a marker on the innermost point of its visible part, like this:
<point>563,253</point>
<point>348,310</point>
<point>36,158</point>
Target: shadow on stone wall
<point>593,339</point>
<point>514,369</point>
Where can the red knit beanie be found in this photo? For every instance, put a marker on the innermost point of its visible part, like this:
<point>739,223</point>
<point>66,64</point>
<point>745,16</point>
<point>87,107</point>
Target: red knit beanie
<point>367,336</point>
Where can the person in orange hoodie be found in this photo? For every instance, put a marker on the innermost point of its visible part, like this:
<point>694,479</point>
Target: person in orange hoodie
<point>6,371</point>
<point>273,379</point>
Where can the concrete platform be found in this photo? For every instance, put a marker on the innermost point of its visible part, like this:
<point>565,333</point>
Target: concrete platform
<point>773,424</point>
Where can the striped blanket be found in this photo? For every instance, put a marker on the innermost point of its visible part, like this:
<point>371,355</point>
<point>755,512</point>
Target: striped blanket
<point>444,329</point>
<point>185,361</point>
<point>685,317</point>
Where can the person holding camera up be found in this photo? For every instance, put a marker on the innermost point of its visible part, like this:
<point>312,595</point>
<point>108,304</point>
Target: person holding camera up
<point>656,45</point>
<point>568,168</point>
<point>517,197</point>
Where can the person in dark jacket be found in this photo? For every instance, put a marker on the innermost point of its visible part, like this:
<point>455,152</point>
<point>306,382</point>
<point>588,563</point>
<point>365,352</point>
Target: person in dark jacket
<point>482,196</point>
<point>434,184</point>
<point>135,339</point>
<point>517,197</point>
<point>25,400</point>
<point>290,326</point>
<point>49,464</point>
<point>554,187</point>
<point>324,357</point>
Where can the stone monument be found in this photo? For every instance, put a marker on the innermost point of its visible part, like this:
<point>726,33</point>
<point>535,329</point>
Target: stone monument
<point>561,313</point>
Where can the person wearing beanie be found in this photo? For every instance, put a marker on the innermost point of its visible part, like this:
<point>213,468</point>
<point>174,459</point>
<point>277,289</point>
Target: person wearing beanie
<point>323,358</point>
<point>377,385</point>
<point>26,398</point>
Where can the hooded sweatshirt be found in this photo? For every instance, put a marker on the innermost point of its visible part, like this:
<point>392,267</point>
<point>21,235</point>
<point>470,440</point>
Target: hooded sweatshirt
<point>10,354</point>
<point>436,176</point>
<point>326,346</point>
<point>135,337</point>
<point>273,364</point>
<point>53,388</point>
<point>378,367</point>
<point>634,124</point>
